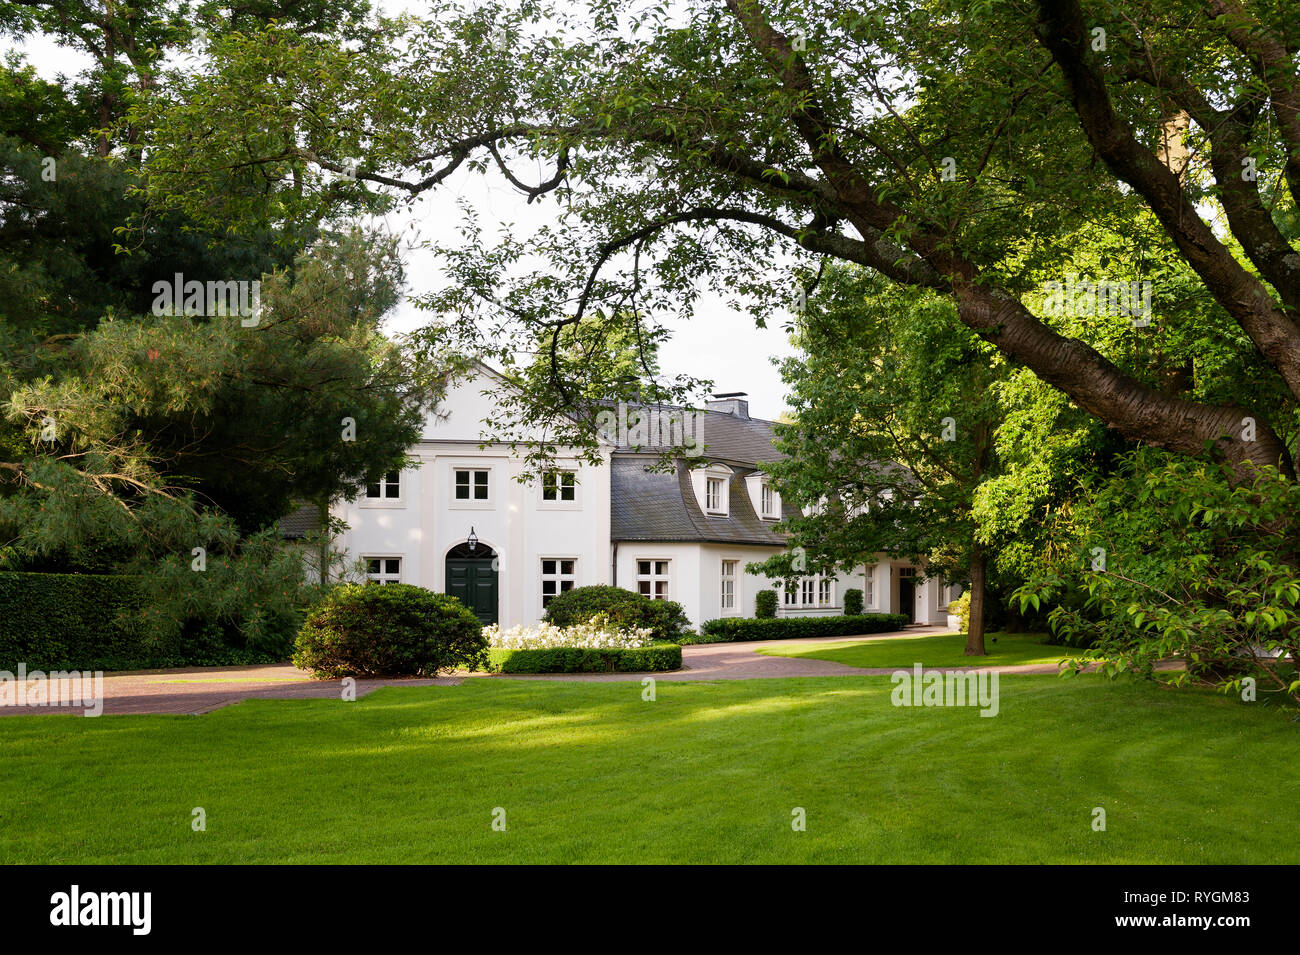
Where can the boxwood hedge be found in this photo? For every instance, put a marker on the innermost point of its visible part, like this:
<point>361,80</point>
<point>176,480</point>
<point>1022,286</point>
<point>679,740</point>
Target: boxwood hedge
<point>654,658</point>
<point>787,628</point>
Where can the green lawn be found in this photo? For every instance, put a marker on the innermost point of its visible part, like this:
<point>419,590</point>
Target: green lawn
<point>588,772</point>
<point>944,650</point>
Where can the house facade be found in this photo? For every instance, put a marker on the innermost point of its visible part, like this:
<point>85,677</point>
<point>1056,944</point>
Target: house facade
<point>461,521</point>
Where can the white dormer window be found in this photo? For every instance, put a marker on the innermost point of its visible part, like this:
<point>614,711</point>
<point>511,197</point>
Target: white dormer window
<point>769,504</point>
<point>715,495</point>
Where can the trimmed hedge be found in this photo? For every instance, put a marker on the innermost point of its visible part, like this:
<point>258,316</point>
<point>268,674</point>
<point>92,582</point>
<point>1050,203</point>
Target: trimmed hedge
<point>786,628</point>
<point>654,658</point>
<point>853,602</point>
<point>626,609</point>
<point>765,604</point>
<point>89,622</point>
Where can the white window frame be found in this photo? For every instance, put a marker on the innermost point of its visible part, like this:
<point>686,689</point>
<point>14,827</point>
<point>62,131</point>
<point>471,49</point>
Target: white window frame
<point>383,576</point>
<point>729,587</point>
<point>472,503</point>
<point>365,500</point>
<point>654,576</point>
<point>806,594</point>
<point>559,504</point>
<point>559,577</point>
<point>715,482</point>
<point>767,505</point>
<point>869,586</point>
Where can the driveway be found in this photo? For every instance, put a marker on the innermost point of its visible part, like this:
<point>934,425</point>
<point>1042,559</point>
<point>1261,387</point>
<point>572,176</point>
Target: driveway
<point>202,690</point>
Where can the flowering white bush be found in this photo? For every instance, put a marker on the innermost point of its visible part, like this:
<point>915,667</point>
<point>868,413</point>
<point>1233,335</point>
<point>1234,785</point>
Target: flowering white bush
<point>597,634</point>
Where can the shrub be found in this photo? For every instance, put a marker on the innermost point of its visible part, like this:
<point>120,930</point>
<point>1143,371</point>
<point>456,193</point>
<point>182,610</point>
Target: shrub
<point>374,630</point>
<point>100,622</point>
<point>654,658</point>
<point>961,608</point>
<point>625,610</point>
<point>765,604</point>
<point>786,628</point>
<point>598,634</point>
<point>853,602</point>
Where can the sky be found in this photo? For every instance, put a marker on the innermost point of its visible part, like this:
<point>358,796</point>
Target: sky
<point>719,344</point>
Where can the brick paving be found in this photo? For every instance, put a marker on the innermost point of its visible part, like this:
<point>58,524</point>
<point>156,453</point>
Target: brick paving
<point>204,689</point>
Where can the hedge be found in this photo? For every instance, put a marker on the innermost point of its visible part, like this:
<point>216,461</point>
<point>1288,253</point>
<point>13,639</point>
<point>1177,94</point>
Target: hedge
<point>787,628</point>
<point>626,609</point>
<point>654,658</point>
<point>87,622</point>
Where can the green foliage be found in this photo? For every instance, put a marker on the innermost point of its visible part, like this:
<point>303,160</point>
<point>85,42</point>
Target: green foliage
<point>852,602</point>
<point>765,604</point>
<point>656,657</point>
<point>100,622</point>
<point>1182,559</point>
<point>626,609</point>
<point>381,630</point>
<point>728,629</point>
<point>961,608</point>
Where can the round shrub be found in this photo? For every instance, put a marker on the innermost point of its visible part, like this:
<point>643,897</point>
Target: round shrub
<point>765,604</point>
<point>961,608</point>
<point>626,610</point>
<point>853,602</point>
<point>393,629</point>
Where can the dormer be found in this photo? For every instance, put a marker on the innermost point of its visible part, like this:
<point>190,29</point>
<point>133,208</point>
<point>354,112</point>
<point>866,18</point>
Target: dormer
<point>763,496</point>
<point>735,403</point>
<point>712,486</point>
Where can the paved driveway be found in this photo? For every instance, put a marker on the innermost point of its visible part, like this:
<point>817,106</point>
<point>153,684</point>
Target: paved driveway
<point>202,690</point>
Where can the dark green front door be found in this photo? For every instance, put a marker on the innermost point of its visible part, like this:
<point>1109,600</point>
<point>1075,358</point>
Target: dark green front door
<point>473,581</point>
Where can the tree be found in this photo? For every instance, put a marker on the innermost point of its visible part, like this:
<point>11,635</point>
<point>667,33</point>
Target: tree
<point>950,149</point>
<point>896,410</point>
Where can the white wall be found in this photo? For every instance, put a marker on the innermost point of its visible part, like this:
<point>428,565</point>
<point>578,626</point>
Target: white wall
<point>427,521</point>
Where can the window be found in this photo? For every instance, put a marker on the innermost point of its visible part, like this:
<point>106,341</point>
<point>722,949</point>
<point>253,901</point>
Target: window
<point>715,490</point>
<point>767,500</point>
<point>652,578</point>
<point>869,586</point>
<point>558,576</point>
<point>383,570</point>
<point>471,485</point>
<point>388,487</point>
<point>729,584</point>
<point>815,591</point>
<point>559,486</point>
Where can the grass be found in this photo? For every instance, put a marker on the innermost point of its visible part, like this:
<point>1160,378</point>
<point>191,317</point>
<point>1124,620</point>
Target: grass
<point>944,650</point>
<point>589,772</point>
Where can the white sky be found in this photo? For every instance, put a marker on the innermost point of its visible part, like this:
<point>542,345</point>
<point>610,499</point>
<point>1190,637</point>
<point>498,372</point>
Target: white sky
<point>719,344</point>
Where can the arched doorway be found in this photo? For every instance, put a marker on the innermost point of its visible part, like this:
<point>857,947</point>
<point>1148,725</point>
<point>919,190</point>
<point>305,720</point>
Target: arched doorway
<point>472,579</point>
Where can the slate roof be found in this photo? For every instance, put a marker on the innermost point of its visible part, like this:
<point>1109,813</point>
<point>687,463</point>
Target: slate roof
<point>662,506</point>
<point>298,524</point>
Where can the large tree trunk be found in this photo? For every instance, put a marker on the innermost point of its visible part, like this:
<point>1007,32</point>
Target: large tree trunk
<point>975,632</point>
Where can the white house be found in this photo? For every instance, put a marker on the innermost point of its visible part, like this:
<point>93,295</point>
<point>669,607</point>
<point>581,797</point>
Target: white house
<point>460,522</point>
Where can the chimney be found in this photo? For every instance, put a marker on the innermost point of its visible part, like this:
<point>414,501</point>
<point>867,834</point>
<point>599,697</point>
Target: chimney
<point>732,403</point>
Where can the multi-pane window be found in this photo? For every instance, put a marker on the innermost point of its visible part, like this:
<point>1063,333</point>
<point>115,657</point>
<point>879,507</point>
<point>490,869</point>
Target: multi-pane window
<point>729,584</point>
<point>815,591</point>
<point>384,570</point>
<point>767,500</point>
<point>869,587</point>
<point>389,487</point>
<point>652,578</point>
<point>471,485</point>
<point>559,486</point>
<point>714,489</point>
<point>558,576</point>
